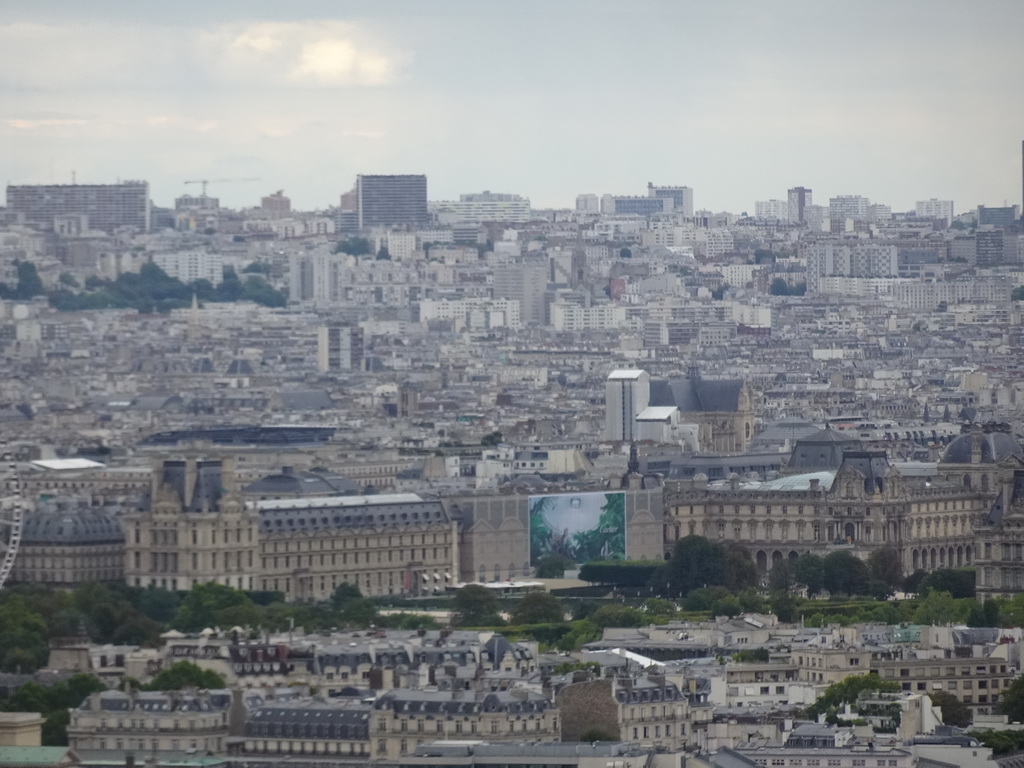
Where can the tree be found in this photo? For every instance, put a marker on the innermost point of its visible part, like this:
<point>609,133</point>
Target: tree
<point>704,599</point>
<point>184,674</point>
<point>779,287</point>
<point>781,578</point>
<point>1012,702</point>
<point>383,254</point>
<point>475,606</point>
<point>938,608</point>
<point>354,246</point>
<point>617,615</point>
<point>809,570</point>
<point>54,703</point>
<point>537,608</point>
<point>206,605</point>
<point>719,293</point>
<point>1017,294</point>
<point>553,566</point>
<point>959,582</point>
<point>885,566</point>
<point>845,574</point>
<point>345,593</point>
<point>727,606</point>
<point>751,601</point>
<point>359,613</point>
<point>23,637</point>
<point>985,614</point>
<point>258,268</point>
<point>491,438</point>
<point>580,632</point>
<point>847,691</point>
<point>784,606</point>
<point>29,284</point>
<point>625,253</point>
<point>751,656</point>
<point>158,604</point>
<point>954,711</point>
<point>912,584</point>
<point>695,562</point>
<point>740,571</point>
<point>66,278</point>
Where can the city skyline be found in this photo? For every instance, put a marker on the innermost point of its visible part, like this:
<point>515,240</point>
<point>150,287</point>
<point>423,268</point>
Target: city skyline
<point>737,102</point>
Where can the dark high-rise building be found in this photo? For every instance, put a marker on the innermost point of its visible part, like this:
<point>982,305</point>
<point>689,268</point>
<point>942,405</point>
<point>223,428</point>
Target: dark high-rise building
<point>799,199</point>
<point>108,206</point>
<point>1004,217</point>
<point>384,201</point>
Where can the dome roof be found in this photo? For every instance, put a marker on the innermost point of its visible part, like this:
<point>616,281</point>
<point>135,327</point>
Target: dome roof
<point>70,527</point>
<point>995,446</point>
<point>821,450</point>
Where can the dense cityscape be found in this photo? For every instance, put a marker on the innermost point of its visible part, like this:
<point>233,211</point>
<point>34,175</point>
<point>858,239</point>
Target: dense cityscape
<point>515,473</point>
<point>534,385</point>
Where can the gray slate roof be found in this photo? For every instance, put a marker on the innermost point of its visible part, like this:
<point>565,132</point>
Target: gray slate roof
<point>697,395</point>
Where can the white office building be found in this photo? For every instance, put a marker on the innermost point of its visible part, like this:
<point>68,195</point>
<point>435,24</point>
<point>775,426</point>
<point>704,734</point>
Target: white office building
<point>627,394</point>
<point>935,209</point>
<point>772,210</point>
<point>189,266</point>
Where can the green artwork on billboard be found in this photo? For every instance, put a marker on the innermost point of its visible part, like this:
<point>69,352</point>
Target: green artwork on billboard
<point>580,526</point>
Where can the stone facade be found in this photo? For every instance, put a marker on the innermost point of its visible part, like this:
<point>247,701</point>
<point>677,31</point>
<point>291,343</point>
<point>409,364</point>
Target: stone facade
<point>648,710</point>
<point>388,544</point>
<point>402,720</point>
<point>67,542</point>
<point>195,528</point>
<point>866,503</point>
<point>175,721</point>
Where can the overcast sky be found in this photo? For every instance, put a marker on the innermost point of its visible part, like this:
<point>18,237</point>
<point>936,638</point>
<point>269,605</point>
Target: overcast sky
<point>897,100</point>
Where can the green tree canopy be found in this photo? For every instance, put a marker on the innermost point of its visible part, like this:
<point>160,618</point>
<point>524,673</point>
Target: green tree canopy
<point>845,574</point>
<point>884,566</point>
<point>809,570</point>
<point>959,582</point>
<point>847,691</point>
<point>53,702</point>
<point>354,246</point>
<point>184,674</point>
<point>475,606</point>
<point>210,605</point>
<point>954,711</point>
<point>344,593</point>
<point>23,637</point>
<point>1012,702</point>
<point>695,563</point>
<point>537,608</point>
<point>617,615</point>
<point>939,608</point>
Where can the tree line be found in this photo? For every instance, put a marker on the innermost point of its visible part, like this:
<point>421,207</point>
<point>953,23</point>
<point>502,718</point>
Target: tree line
<point>153,290</point>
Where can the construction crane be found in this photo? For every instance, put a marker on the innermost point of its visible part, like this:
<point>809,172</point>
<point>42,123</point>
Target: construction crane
<point>204,182</point>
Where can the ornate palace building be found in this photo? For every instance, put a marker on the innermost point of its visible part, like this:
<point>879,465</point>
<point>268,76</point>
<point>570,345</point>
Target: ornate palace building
<point>837,496</point>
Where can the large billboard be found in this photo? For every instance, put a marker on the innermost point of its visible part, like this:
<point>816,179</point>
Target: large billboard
<point>580,526</point>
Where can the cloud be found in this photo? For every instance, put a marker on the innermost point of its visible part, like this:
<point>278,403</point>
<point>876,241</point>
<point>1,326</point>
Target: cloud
<point>28,125</point>
<point>105,56</point>
<point>299,54</point>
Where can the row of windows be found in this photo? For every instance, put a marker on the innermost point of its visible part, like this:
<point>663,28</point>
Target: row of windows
<point>399,556</point>
<point>356,542</point>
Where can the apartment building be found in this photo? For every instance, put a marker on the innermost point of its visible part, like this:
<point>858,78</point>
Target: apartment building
<point>401,720</point>
<point>147,722</point>
<point>108,206</point>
